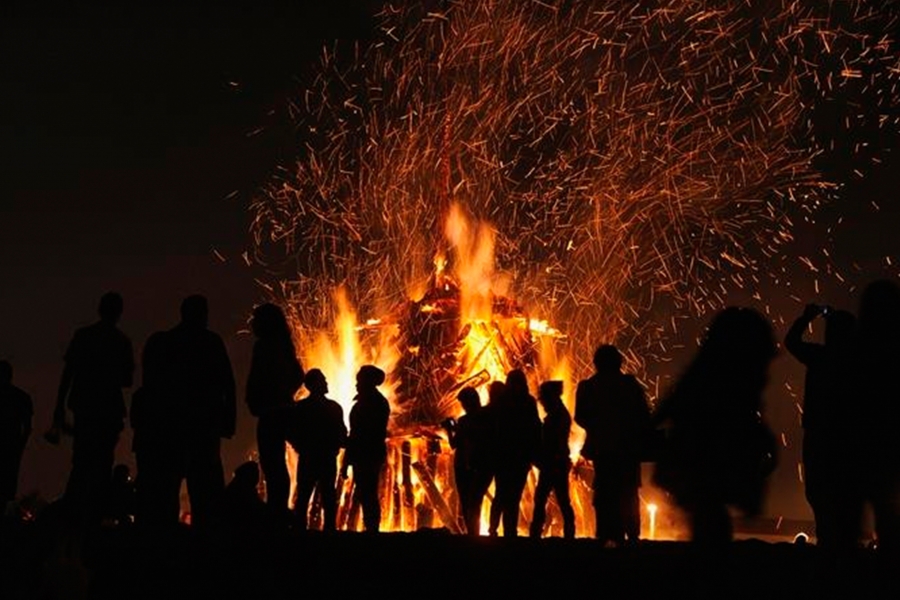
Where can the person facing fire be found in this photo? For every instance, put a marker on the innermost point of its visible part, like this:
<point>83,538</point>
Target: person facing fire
<point>201,388</point>
<point>317,434</point>
<point>99,363</point>
<point>613,411</point>
<point>553,460</point>
<point>366,444</point>
<point>518,431</point>
<point>16,410</point>
<point>831,481</point>
<point>275,376</point>
<point>470,439</point>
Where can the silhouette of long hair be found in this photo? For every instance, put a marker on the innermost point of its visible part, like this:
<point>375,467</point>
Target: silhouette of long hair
<point>269,324</point>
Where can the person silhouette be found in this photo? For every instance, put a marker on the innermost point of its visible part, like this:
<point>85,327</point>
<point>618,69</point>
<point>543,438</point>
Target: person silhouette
<point>155,439</point>
<point>469,437</point>
<point>319,435</point>
<point>719,452</point>
<point>612,409</point>
<point>366,445</point>
<point>493,413</point>
<point>99,363</point>
<point>122,499</point>
<point>274,378</point>
<point>829,462</point>
<point>879,362</point>
<point>518,434</point>
<point>201,388</point>
<point>16,411</point>
<point>553,460</point>
<point>243,509</point>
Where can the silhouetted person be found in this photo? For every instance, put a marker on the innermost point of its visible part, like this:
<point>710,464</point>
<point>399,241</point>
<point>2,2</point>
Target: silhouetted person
<point>719,453</point>
<point>830,471</point>
<point>553,460</point>
<point>156,438</point>
<point>494,413</point>
<point>243,509</point>
<point>879,365</point>
<point>470,439</point>
<point>518,441</point>
<point>320,434</point>
<point>99,363</point>
<point>366,445</point>
<point>275,376</point>
<point>122,499</point>
<point>16,410</point>
<point>200,387</point>
<point>612,409</point>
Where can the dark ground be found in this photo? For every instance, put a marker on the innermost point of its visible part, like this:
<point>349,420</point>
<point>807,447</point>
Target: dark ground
<point>123,564</point>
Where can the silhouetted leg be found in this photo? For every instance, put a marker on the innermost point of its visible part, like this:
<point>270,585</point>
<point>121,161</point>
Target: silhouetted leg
<point>630,509</point>
<point>158,486</point>
<point>518,478</point>
<point>270,442</point>
<point>306,483</point>
<point>366,479</point>
<point>93,455</point>
<point>541,494</point>
<point>607,510</point>
<point>10,459</point>
<point>496,506</point>
<point>481,481</point>
<point>463,479</point>
<point>327,476</point>
<point>561,491</point>
<point>205,479</point>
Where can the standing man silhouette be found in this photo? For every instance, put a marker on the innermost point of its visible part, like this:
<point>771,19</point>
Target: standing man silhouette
<point>613,411</point>
<point>16,411</point>
<point>99,363</point>
<point>202,389</point>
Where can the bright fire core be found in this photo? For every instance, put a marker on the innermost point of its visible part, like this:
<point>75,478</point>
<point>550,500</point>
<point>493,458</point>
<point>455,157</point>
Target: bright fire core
<point>461,331</point>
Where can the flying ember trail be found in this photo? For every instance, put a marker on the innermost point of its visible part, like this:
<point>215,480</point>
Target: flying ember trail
<point>547,176</point>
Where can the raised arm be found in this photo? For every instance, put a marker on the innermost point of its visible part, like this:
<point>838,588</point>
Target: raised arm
<point>802,350</point>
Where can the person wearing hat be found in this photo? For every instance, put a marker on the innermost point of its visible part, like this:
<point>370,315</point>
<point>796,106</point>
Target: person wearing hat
<point>366,447</point>
<point>553,460</point>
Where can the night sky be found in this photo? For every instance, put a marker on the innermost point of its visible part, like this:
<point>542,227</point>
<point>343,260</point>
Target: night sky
<point>132,141</point>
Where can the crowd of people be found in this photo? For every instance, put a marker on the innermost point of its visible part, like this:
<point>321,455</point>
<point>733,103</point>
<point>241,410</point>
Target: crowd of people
<point>712,447</point>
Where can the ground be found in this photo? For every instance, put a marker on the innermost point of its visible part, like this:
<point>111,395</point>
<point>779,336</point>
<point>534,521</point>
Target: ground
<point>38,563</point>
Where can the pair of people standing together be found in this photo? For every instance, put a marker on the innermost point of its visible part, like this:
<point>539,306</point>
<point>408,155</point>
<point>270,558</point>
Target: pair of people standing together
<point>314,427</point>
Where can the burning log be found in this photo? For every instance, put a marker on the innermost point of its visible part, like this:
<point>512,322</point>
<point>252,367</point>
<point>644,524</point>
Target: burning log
<point>436,499</point>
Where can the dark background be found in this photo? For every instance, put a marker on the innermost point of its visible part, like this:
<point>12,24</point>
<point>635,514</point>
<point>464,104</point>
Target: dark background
<point>132,139</point>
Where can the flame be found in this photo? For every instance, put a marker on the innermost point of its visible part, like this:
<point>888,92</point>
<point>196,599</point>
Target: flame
<point>418,476</point>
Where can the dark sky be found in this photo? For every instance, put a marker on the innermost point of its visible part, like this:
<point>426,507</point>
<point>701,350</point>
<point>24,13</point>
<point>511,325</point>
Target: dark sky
<point>132,140</point>
<point>128,156</point>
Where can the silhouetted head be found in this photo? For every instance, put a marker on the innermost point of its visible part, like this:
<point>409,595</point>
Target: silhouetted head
<point>517,383</point>
<point>5,373</point>
<point>468,397</point>
<point>111,306</point>
<point>195,311</point>
<point>496,392</point>
<point>741,332</point>
<point>550,393</point>
<point>879,310</point>
<point>369,377</point>
<point>269,322</point>
<point>607,359</point>
<point>840,327</point>
<point>315,382</point>
<point>246,477</point>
